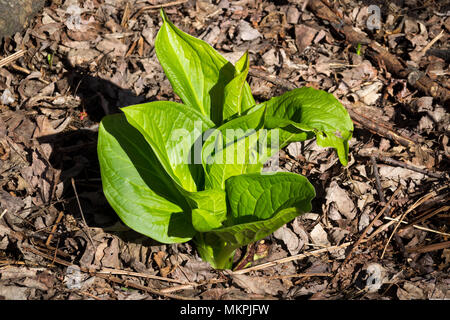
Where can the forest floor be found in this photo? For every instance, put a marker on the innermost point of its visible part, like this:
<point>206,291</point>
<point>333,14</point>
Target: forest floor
<point>379,228</point>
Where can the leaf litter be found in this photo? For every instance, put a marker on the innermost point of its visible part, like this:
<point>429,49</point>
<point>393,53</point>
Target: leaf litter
<point>106,66</point>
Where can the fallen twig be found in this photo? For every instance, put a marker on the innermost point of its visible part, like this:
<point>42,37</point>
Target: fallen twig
<point>158,6</point>
<point>299,275</point>
<point>388,160</point>
<point>293,258</point>
<point>377,52</point>
<point>86,227</point>
<point>192,285</point>
<point>117,280</point>
<point>426,216</point>
<point>430,247</point>
<point>271,78</point>
<point>379,128</point>
<point>11,58</point>
<point>140,275</point>
<point>50,236</point>
<point>411,208</point>
<point>428,46</point>
<point>361,237</point>
<point>392,220</point>
<point>377,180</point>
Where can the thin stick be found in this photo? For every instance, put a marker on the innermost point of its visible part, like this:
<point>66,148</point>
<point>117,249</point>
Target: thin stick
<point>430,247</point>
<point>419,227</point>
<point>21,69</point>
<point>415,205</point>
<point>300,275</point>
<point>3,213</point>
<point>141,275</point>
<point>377,179</point>
<point>191,285</point>
<point>90,295</point>
<point>11,58</point>
<point>50,236</point>
<point>426,216</point>
<point>379,128</point>
<point>380,228</point>
<point>293,258</point>
<point>403,165</point>
<point>271,78</point>
<point>158,6</point>
<point>81,211</point>
<point>125,17</point>
<point>132,47</point>
<point>125,283</point>
<point>394,195</point>
<point>428,46</point>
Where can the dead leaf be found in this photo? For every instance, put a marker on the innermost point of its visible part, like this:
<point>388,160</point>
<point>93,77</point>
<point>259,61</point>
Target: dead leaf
<point>376,277</point>
<point>410,292</point>
<point>114,47</point>
<point>246,32</point>
<point>304,36</point>
<point>293,243</point>
<point>15,292</point>
<point>370,93</point>
<point>396,173</point>
<point>338,234</point>
<point>343,202</point>
<point>258,285</point>
<point>111,255</point>
<point>46,127</point>
<point>292,15</point>
<point>194,271</point>
<point>78,57</point>
<point>319,236</point>
<point>271,58</point>
<point>158,257</point>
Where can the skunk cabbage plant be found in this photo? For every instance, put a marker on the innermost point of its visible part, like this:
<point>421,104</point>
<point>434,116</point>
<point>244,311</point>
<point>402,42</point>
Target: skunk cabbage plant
<point>195,171</point>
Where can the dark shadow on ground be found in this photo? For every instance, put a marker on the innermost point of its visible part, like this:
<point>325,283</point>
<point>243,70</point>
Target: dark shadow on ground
<point>75,151</point>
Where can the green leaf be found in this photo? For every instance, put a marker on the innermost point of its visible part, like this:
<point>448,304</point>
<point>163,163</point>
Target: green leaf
<point>137,187</point>
<point>259,204</point>
<point>197,72</point>
<point>209,209</point>
<point>312,110</point>
<point>234,90</point>
<point>174,132</point>
<point>254,197</point>
<point>232,149</point>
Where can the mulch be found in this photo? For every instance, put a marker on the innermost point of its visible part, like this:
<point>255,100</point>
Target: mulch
<point>379,228</point>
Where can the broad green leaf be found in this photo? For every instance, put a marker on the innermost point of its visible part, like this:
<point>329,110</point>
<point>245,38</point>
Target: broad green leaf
<point>316,111</point>
<point>234,90</point>
<point>243,145</point>
<point>232,149</point>
<point>259,204</point>
<point>209,209</point>
<point>197,72</point>
<point>174,132</point>
<point>254,197</point>
<point>137,187</point>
